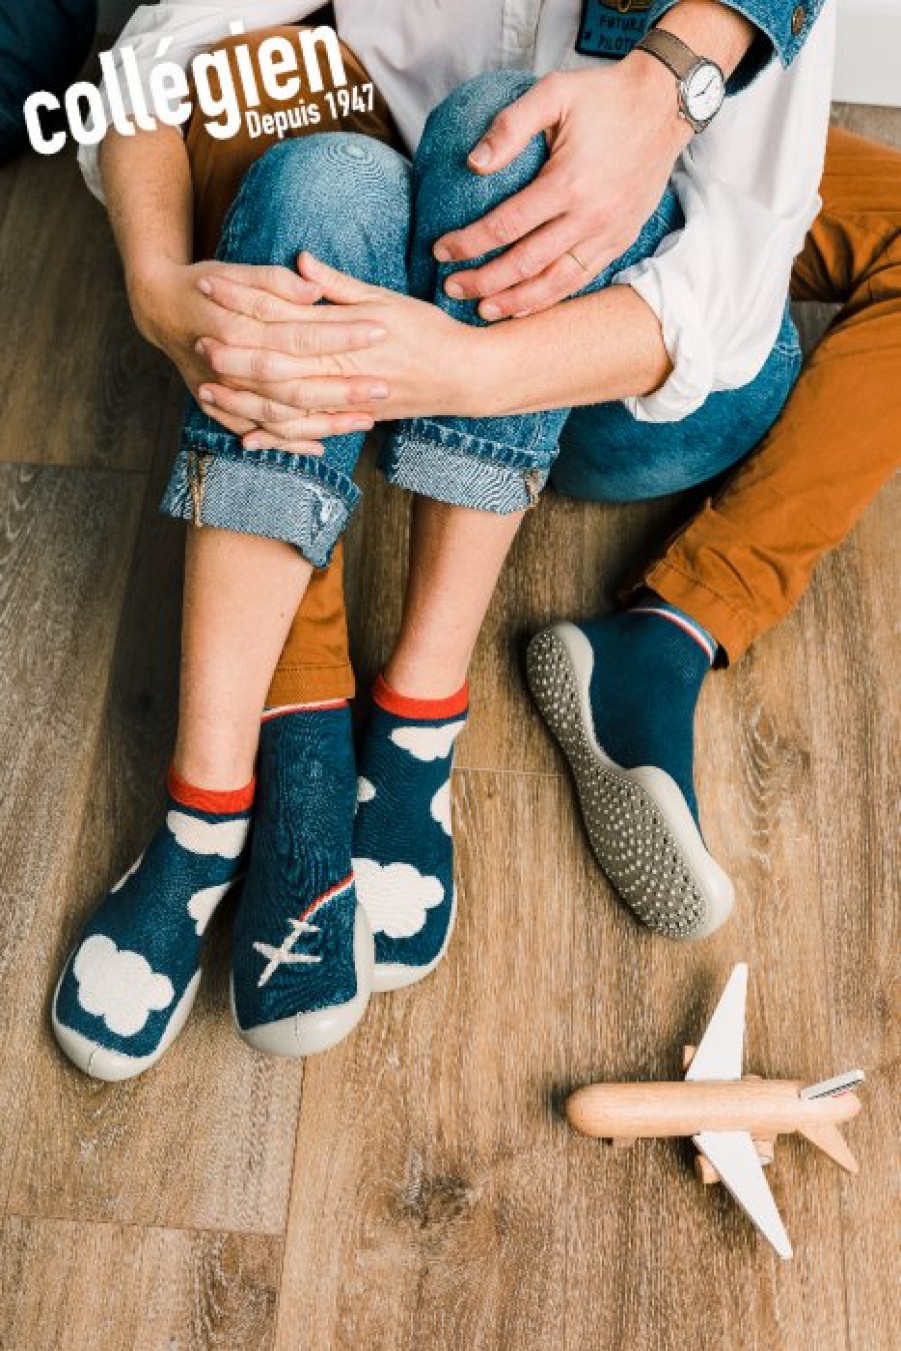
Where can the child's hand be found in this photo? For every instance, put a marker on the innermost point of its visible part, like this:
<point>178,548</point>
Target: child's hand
<point>176,309</point>
<point>425,365</point>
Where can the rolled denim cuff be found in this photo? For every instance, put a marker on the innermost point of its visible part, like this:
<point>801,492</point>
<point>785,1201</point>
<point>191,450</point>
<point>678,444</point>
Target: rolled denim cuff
<point>465,471</point>
<point>783,28</point>
<point>300,499</point>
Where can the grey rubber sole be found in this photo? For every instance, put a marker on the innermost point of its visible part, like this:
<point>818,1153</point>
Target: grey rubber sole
<point>102,1063</point>
<point>637,820</point>
<point>388,976</point>
<point>304,1034</point>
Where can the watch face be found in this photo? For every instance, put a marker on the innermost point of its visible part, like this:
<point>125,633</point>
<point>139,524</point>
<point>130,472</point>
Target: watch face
<point>704,91</point>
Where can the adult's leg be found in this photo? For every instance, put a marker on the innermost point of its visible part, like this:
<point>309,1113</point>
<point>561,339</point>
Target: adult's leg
<point>744,561</point>
<point>620,693</point>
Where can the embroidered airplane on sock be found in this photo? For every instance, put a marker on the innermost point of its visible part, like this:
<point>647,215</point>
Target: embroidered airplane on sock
<point>285,955</point>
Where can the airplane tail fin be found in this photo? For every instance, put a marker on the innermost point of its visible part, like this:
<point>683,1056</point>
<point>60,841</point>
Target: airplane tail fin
<point>830,1140</point>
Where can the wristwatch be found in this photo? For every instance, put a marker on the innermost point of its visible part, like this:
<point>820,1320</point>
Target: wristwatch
<point>700,83</point>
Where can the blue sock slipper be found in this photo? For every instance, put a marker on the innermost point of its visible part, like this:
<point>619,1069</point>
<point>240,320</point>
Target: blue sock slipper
<point>403,844</point>
<point>129,985</point>
<point>619,694</point>
<point>301,949</point>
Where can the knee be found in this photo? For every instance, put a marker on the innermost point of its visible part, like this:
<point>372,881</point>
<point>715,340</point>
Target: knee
<point>335,168</point>
<point>325,180</point>
<point>458,123</point>
<point>344,197</point>
<point>450,194</point>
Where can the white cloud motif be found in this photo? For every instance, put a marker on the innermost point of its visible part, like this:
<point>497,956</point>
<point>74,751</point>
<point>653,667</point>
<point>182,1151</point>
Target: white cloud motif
<point>225,838</point>
<point>428,743</point>
<point>365,790</point>
<point>119,986</point>
<point>125,876</point>
<point>396,896</point>
<point>203,903</point>
<point>441,808</point>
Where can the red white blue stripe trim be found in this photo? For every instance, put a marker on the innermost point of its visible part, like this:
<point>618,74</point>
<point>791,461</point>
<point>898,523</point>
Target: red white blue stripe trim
<point>337,890</point>
<point>684,623</point>
<point>284,709</point>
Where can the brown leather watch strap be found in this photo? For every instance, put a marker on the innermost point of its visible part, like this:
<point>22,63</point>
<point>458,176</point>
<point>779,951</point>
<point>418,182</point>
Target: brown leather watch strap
<point>672,51</point>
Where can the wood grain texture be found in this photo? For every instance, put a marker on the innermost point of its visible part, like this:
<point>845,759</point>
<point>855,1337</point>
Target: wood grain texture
<point>221,1153</point>
<point>78,386</point>
<point>67,1286</point>
<point>429,1199</point>
<point>852,648</point>
<point>65,545</point>
<point>655,1261</point>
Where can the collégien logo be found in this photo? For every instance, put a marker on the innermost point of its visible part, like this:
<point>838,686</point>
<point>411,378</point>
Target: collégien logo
<point>283,68</point>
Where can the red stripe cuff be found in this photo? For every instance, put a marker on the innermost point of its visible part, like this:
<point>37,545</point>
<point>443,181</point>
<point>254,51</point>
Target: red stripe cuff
<point>422,710</point>
<point>227,803</point>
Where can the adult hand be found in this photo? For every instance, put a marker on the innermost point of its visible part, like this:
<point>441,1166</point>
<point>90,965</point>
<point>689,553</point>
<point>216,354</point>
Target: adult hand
<point>175,310</point>
<point>425,365</point>
<point>613,137</point>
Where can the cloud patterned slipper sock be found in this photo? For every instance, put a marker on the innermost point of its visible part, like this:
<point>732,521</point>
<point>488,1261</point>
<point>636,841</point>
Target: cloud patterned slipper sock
<point>127,989</point>
<point>403,847</point>
<point>619,694</point>
<point>302,949</point>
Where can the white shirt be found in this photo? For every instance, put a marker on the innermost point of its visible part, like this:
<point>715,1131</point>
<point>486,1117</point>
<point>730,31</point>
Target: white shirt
<point>748,185</point>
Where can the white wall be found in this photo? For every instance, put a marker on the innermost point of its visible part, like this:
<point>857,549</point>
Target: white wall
<point>868,61</point>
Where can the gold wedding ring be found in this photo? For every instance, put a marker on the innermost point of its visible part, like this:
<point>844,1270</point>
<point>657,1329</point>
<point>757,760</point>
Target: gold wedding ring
<point>575,257</point>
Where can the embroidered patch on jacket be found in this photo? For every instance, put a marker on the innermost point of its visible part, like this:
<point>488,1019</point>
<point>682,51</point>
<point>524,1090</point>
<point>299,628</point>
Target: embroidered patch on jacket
<point>611,28</point>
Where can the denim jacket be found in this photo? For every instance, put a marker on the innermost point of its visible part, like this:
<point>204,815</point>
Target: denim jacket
<point>612,27</point>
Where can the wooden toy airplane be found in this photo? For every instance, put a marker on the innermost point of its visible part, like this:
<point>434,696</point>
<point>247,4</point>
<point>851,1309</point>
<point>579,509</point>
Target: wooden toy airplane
<point>733,1121</point>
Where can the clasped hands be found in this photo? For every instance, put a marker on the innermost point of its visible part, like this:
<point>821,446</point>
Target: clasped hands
<point>282,371</point>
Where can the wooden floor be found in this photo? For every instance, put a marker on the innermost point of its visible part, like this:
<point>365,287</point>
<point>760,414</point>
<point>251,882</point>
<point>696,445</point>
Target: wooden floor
<point>417,1189</point>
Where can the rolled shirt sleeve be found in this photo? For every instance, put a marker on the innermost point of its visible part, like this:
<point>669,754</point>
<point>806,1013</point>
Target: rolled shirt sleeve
<point>749,191</point>
<point>191,26</point>
<point>783,28</point>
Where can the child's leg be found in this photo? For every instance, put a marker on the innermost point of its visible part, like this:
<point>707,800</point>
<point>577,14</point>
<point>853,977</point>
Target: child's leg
<point>496,466</point>
<point>224,678</point>
<point>242,592</point>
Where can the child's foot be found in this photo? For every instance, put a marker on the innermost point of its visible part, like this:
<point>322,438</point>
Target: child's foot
<point>302,949</point>
<point>619,694</point>
<point>403,847</point>
<point>127,989</point>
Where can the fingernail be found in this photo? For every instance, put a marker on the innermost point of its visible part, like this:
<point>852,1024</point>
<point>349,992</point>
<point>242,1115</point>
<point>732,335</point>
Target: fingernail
<point>206,394</point>
<point>481,155</point>
<point>200,347</point>
<point>490,311</point>
<point>205,286</point>
<point>251,443</point>
<point>378,391</point>
<point>442,254</point>
<point>376,333</point>
<point>454,289</point>
<point>521,314</point>
<point>362,425</point>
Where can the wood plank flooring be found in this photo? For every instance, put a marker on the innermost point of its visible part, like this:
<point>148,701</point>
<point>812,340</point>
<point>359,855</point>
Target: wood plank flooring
<point>418,1189</point>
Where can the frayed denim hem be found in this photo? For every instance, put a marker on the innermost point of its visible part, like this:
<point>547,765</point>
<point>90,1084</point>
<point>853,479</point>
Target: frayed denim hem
<point>295,498</point>
<point>445,471</point>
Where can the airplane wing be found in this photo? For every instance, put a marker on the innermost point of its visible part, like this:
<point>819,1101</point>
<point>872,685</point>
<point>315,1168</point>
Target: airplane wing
<point>734,1156</point>
<point>719,1055</point>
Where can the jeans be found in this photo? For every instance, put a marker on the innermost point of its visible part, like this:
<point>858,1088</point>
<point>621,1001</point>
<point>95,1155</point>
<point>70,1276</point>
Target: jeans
<point>363,208</point>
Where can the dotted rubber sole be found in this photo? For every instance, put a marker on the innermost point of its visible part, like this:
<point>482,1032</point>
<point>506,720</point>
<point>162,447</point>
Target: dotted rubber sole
<point>631,839</point>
